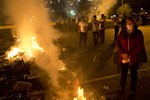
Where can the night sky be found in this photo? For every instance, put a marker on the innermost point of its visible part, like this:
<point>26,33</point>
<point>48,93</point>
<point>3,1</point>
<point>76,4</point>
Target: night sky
<point>136,5</point>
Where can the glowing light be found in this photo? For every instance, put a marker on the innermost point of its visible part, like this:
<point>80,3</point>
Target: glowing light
<point>13,53</point>
<point>80,94</point>
<point>62,67</point>
<point>30,51</point>
<point>35,45</point>
<point>107,7</point>
<point>72,13</point>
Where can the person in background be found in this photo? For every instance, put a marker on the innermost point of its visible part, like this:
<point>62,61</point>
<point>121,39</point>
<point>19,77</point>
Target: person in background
<point>102,28</point>
<point>82,28</point>
<point>123,22</point>
<point>143,17</point>
<point>116,26</point>
<point>95,30</point>
<point>129,44</point>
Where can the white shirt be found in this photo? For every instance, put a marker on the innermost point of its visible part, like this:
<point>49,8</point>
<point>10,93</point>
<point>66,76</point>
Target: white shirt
<point>95,25</point>
<point>83,26</point>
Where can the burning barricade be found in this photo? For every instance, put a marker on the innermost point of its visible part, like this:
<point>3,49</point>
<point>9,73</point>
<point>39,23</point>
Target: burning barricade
<point>21,79</point>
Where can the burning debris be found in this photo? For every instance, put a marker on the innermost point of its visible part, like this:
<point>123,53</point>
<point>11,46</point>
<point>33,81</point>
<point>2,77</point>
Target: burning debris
<point>26,81</point>
<point>28,53</point>
<point>32,69</point>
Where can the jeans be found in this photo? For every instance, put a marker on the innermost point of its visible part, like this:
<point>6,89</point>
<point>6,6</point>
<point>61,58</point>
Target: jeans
<point>95,37</point>
<point>133,73</point>
<point>102,35</point>
<point>83,38</point>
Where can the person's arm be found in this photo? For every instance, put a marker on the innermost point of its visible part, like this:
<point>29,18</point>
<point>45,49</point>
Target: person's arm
<point>120,49</point>
<point>86,25</point>
<point>79,27</point>
<point>139,43</point>
<point>118,43</point>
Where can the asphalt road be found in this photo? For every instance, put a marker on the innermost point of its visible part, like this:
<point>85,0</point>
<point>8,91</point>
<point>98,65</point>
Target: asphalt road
<point>98,68</point>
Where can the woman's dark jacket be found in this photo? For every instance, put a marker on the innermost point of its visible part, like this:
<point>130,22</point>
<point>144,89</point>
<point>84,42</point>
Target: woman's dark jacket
<point>131,44</point>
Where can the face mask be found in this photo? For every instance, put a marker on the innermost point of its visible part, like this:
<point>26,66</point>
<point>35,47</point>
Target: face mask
<point>130,27</point>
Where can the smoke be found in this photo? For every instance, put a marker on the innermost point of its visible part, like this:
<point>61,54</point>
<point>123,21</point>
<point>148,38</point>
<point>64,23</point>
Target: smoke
<point>31,22</point>
<point>102,7</point>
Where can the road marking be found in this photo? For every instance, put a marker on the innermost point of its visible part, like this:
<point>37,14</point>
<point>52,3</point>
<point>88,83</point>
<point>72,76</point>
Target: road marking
<point>13,26</point>
<point>7,27</point>
<point>110,76</point>
<point>94,58</point>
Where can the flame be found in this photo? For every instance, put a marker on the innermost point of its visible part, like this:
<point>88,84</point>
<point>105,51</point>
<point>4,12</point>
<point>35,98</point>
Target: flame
<point>62,67</point>
<point>29,51</point>
<point>35,45</point>
<point>80,94</point>
<point>13,53</point>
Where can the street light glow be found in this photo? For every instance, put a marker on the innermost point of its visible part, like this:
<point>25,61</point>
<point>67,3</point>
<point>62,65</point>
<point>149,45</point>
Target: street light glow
<point>72,13</point>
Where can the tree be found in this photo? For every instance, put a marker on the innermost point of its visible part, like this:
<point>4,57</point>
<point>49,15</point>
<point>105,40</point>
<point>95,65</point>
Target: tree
<point>124,10</point>
<point>83,8</point>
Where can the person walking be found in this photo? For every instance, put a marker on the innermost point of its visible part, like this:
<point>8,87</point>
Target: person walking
<point>129,44</point>
<point>82,28</point>
<point>95,30</point>
<point>102,28</point>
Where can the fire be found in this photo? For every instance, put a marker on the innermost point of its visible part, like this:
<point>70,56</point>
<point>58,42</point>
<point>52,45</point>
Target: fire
<point>14,53</point>
<point>62,67</point>
<point>80,94</point>
<point>29,52</point>
<point>35,45</point>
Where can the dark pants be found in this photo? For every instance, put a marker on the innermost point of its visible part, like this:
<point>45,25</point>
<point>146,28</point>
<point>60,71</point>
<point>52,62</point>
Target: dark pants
<point>133,73</point>
<point>116,32</point>
<point>83,38</point>
<point>95,37</point>
<point>102,35</point>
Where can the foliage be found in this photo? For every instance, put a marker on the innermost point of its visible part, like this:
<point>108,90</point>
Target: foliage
<point>124,9</point>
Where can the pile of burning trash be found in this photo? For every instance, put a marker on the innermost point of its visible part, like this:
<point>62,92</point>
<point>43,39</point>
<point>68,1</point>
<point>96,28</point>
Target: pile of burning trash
<point>20,80</point>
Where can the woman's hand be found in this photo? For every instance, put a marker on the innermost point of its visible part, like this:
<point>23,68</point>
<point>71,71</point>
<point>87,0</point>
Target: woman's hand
<point>125,56</point>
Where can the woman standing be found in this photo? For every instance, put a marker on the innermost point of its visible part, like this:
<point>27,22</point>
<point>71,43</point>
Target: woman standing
<point>129,44</point>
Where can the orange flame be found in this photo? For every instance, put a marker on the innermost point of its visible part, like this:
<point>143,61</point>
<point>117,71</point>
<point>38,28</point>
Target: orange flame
<point>80,94</point>
<point>35,45</point>
<point>29,51</point>
<point>13,53</point>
